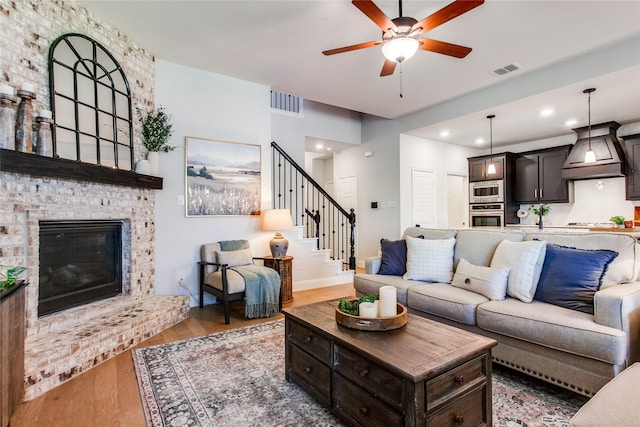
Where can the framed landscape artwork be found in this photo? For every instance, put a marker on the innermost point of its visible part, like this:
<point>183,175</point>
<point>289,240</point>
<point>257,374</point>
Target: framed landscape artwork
<point>223,177</point>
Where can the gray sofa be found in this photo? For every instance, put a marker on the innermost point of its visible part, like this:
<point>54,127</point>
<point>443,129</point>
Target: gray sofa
<point>572,349</point>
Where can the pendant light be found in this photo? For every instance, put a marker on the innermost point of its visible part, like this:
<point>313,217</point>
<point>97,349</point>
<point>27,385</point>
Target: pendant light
<point>590,155</point>
<point>491,168</point>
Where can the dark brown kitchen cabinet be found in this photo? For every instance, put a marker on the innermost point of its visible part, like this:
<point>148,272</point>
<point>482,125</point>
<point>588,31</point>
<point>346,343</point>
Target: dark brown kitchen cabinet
<point>478,168</point>
<point>539,176</point>
<point>632,147</point>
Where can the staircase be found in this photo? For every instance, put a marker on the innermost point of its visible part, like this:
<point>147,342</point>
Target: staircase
<point>314,268</point>
<point>323,237</point>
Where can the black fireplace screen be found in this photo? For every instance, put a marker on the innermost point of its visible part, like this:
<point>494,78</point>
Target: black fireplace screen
<point>80,262</point>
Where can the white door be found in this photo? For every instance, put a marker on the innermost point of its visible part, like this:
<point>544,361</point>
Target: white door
<point>347,197</point>
<point>423,197</point>
<point>456,201</point>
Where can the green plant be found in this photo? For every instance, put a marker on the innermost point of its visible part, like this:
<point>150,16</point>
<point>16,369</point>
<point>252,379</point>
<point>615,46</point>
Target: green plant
<point>536,210</point>
<point>618,220</point>
<point>156,129</point>
<point>353,307</point>
<point>9,275</point>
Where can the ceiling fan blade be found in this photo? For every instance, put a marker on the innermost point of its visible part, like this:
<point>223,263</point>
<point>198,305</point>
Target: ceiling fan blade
<point>352,47</point>
<point>444,48</point>
<point>388,68</point>
<point>374,13</point>
<point>447,13</point>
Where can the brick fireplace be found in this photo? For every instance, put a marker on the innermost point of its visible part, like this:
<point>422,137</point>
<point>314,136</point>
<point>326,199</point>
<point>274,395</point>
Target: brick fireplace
<point>62,345</point>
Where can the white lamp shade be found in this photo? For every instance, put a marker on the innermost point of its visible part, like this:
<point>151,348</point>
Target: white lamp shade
<point>491,169</point>
<point>590,156</point>
<point>400,48</point>
<point>277,220</point>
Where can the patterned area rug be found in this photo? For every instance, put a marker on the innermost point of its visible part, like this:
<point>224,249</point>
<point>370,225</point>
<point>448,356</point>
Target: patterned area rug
<point>236,378</point>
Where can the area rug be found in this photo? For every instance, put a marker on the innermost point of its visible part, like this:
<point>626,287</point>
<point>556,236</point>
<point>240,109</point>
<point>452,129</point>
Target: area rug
<point>236,378</point>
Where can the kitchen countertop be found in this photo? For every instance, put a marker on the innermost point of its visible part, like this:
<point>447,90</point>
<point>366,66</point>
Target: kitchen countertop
<point>593,228</point>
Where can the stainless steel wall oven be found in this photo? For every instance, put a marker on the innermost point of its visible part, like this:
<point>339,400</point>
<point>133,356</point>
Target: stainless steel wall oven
<point>486,215</point>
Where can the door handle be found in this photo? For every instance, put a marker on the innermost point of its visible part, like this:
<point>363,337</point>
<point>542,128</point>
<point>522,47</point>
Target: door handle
<point>535,193</point>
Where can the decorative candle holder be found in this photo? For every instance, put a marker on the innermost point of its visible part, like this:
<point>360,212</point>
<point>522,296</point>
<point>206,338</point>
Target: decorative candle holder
<point>398,320</point>
<point>7,121</point>
<point>24,122</point>
<point>45,137</point>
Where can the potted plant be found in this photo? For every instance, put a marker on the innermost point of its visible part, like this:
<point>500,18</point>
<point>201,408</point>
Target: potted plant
<point>617,220</point>
<point>156,130</point>
<point>9,276</point>
<point>536,210</point>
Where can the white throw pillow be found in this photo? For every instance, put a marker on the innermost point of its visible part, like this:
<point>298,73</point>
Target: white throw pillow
<point>525,260</point>
<point>429,260</point>
<point>487,281</point>
<point>235,258</point>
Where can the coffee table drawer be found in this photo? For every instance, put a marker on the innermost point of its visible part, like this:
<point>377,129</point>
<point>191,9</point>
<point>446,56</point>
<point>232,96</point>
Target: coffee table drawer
<point>468,410</point>
<point>368,375</point>
<point>456,381</point>
<point>311,341</point>
<point>361,407</point>
<point>310,374</point>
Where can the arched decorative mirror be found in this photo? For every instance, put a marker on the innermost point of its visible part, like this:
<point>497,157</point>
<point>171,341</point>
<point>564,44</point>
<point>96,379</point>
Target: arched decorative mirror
<point>91,103</point>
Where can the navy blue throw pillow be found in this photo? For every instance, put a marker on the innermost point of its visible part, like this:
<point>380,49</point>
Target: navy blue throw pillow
<point>570,277</point>
<point>394,257</point>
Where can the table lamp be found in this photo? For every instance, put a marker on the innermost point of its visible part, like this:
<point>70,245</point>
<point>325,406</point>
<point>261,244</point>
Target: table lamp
<point>277,220</point>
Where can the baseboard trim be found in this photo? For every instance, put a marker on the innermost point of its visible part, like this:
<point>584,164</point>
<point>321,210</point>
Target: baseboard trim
<point>338,279</point>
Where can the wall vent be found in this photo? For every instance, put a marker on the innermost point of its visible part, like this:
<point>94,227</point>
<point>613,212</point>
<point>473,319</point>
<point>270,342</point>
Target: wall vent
<point>285,102</point>
<point>506,69</point>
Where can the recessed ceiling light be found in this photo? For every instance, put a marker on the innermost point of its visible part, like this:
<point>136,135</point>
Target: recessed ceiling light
<point>479,141</point>
<point>571,122</point>
<point>546,112</point>
<point>444,133</point>
<point>318,146</point>
<point>329,148</point>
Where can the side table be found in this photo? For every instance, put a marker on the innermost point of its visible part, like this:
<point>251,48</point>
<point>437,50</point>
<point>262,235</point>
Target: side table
<point>284,268</point>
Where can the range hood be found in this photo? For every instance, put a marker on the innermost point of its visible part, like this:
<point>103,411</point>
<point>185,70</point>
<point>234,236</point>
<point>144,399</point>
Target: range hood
<point>610,158</point>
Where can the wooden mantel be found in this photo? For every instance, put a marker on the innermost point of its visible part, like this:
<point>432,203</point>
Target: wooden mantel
<point>41,166</point>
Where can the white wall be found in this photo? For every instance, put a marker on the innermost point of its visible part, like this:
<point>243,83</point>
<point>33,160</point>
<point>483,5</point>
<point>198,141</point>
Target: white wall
<point>378,181</point>
<point>435,156</point>
<point>208,105</point>
<point>212,106</point>
<point>321,121</point>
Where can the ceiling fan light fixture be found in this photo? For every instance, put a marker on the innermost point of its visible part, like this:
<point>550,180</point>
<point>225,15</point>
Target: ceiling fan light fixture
<point>400,49</point>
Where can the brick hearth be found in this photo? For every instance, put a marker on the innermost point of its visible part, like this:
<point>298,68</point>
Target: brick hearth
<point>93,334</point>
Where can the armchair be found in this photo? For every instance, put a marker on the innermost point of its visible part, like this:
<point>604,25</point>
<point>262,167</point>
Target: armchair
<point>220,274</point>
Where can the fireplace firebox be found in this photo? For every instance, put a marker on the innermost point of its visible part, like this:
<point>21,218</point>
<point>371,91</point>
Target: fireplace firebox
<point>80,262</point>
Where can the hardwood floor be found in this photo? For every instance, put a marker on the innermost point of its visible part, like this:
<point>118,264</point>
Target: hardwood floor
<point>107,395</point>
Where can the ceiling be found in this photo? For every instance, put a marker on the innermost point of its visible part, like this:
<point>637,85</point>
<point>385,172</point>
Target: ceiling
<point>279,44</point>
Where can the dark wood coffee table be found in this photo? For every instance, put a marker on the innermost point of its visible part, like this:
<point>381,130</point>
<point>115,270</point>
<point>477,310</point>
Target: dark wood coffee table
<point>425,373</point>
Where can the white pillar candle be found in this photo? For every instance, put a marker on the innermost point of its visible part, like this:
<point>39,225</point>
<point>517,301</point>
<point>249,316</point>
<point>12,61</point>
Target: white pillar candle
<point>388,301</point>
<point>28,87</point>
<point>368,310</point>
<point>7,90</point>
<point>46,114</point>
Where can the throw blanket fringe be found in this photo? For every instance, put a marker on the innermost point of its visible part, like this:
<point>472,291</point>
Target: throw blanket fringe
<point>261,290</point>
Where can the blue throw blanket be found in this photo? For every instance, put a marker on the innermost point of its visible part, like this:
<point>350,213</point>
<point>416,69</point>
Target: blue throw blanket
<point>261,290</point>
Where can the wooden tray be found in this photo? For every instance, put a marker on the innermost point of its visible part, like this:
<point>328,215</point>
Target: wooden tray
<point>378,324</point>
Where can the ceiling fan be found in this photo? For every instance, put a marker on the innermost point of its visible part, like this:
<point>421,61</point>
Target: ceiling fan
<point>400,35</point>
